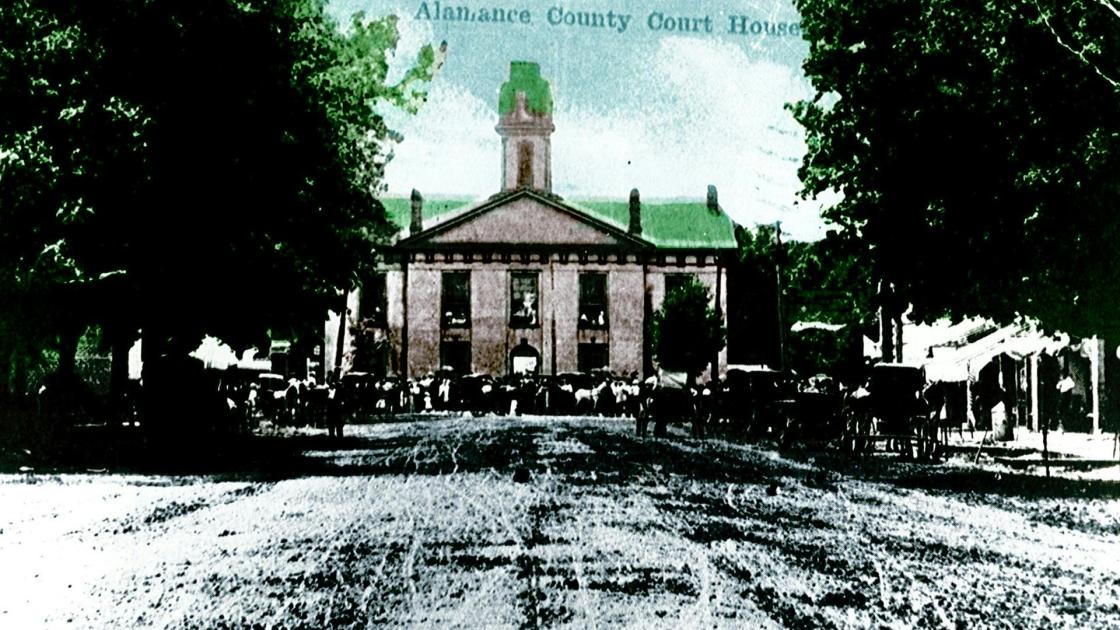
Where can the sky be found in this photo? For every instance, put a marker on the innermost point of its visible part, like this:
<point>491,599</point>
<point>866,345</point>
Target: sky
<point>667,112</point>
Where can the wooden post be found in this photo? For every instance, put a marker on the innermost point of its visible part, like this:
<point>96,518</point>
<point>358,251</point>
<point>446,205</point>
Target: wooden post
<point>969,416</point>
<point>1095,365</point>
<point>1035,420</point>
<point>1045,448</point>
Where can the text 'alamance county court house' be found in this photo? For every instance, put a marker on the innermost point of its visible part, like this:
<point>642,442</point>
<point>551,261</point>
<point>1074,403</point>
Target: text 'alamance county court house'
<point>526,281</point>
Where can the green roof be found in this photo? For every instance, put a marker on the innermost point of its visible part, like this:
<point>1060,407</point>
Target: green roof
<point>669,225</point>
<point>525,77</point>
<point>676,224</point>
<point>399,209</point>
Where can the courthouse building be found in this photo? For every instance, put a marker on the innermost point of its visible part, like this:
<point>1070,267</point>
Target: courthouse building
<point>526,281</point>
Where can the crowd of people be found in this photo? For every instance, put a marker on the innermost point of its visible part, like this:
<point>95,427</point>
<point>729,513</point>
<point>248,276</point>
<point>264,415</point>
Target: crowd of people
<point>762,403</point>
<point>359,397</point>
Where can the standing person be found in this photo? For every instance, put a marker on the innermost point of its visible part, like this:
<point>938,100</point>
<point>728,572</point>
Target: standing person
<point>335,409</point>
<point>1065,399</point>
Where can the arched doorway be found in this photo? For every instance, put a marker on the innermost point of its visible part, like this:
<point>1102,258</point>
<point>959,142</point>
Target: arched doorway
<point>524,359</point>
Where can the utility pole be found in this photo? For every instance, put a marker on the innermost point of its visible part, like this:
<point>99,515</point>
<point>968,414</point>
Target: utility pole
<point>341,347</point>
<point>886,322</point>
<point>778,294</point>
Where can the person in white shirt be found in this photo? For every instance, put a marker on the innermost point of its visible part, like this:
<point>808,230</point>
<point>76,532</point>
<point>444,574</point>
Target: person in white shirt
<point>1065,399</point>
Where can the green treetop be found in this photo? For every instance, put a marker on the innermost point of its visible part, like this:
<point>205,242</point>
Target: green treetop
<point>976,146</point>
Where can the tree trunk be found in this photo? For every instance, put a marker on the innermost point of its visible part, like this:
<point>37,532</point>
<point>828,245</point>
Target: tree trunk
<point>897,319</point>
<point>67,354</point>
<point>150,349</point>
<point>886,335</point>
<point>152,344</point>
<point>8,368</point>
<point>118,375</point>
<point>8,374</point>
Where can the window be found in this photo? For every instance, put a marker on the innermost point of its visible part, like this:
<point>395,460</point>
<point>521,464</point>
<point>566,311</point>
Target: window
<point>372,301</point>
<point>593,300</point>
<point>524,300</point>
<point>524,164</point>
<point>674,281</point>
<point>456,299</point>
<point>456,355</point>
<point>591,356</point>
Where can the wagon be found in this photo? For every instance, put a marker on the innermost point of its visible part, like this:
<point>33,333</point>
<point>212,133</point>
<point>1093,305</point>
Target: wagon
<point>893,413</point>
<point>756,400</point>
<point>816,417</point>
<point>270,396</point>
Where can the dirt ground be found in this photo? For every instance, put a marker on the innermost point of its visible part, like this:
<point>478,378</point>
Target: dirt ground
<point>559,523</point>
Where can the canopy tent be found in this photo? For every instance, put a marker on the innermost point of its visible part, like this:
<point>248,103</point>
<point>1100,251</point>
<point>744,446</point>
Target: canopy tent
<point>918,339</point>
<point>964,363</point>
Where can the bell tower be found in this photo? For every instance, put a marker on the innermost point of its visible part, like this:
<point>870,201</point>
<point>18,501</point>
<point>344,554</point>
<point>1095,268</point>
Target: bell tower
<point>525,125</point>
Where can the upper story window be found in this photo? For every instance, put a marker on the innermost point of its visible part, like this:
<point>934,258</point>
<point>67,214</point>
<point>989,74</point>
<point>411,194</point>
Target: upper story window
<point>593,300</point>
<point>524,299</point>
<point>373,300</point>
<point>455,301</point>
<point>674,281</point>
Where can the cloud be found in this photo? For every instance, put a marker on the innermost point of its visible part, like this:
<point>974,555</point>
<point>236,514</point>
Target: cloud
<point>450,147</point>
<point>701,112</point>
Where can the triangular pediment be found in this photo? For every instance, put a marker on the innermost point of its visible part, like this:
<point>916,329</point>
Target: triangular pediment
<point>525,218</point>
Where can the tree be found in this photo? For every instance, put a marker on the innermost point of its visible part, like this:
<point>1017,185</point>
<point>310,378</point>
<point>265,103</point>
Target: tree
<point>752,299</point>
<point>687,332</point>
<point>822,281</point>
<point>975,145</point>
<point>193,168</point>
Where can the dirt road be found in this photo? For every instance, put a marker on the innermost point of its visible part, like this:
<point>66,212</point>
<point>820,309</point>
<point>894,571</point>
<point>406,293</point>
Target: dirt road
<point>516,523</point>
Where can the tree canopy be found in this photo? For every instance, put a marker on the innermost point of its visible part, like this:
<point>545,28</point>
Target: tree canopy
<point>209,167</point>
<point>686,331</point>
<point>975,145</point>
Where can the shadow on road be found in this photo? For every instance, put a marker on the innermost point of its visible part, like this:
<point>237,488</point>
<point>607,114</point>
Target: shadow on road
<point>956,479</point>
<point>604,452</point>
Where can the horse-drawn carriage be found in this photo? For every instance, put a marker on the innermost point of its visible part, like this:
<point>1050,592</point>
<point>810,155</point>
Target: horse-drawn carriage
<point>815,415</point>
<point>892,410</point>
<point>756,401</point>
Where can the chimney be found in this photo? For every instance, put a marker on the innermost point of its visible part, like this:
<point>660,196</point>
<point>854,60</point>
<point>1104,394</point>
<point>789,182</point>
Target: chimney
<point>417,223</point>
<point>635,213</point>
<point>713,199</point>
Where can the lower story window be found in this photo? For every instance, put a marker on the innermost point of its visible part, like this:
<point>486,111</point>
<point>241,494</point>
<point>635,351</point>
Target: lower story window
<point>456,355</point>
<point>592,356</point>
